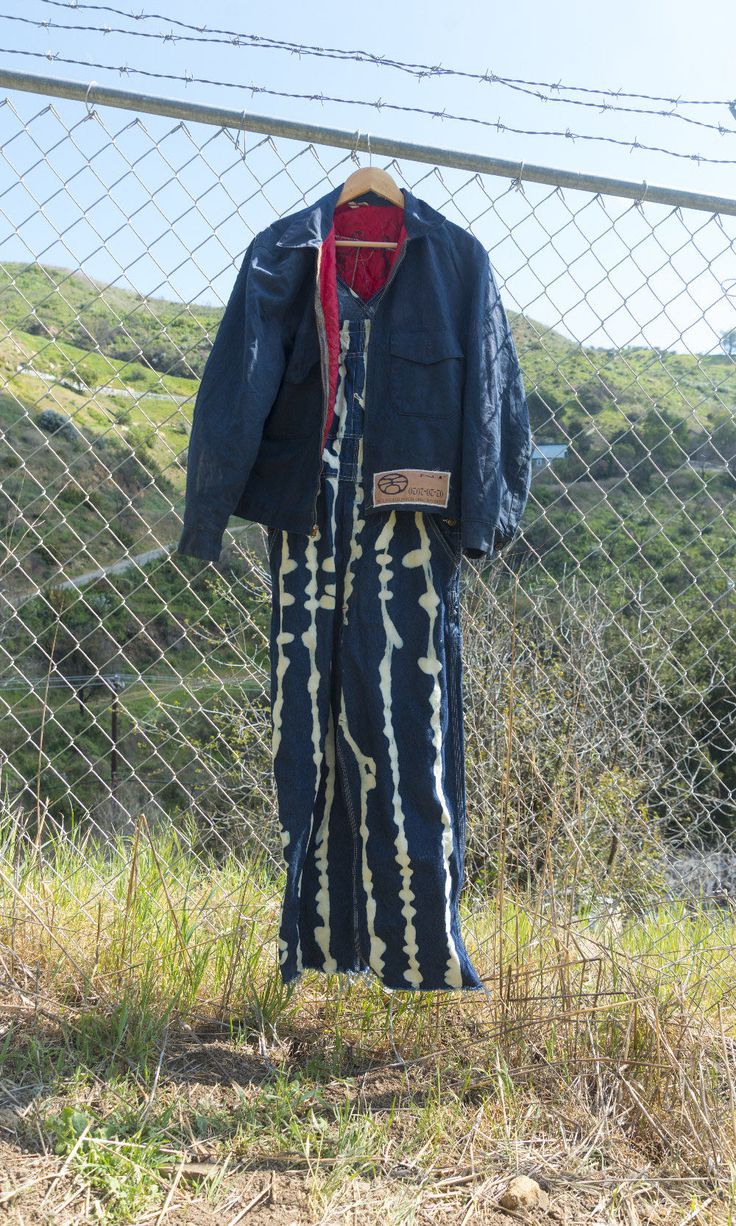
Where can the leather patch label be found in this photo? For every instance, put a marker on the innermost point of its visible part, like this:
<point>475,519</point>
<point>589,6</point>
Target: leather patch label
<point>397,485</point>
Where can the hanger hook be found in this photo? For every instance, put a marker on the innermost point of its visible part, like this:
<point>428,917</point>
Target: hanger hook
<point>90,112</point>
<point>238,130</point>
<point>354,150</point>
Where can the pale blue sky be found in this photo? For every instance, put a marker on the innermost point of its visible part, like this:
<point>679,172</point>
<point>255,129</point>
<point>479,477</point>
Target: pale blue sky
<point>649,47</point>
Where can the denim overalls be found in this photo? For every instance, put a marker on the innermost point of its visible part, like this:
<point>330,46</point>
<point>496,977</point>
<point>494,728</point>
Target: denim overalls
<point>367,721</point>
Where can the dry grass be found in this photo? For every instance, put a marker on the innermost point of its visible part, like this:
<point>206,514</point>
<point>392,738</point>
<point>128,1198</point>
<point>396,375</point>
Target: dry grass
<point>146,1031</point>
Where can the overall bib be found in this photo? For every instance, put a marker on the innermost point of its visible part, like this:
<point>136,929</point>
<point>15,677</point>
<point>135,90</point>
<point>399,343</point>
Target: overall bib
<point>367,719</point>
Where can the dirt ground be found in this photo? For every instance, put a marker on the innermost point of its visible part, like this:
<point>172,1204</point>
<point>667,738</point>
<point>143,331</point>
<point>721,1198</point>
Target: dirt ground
<point>280,1197</point>
<point>216,1182</point>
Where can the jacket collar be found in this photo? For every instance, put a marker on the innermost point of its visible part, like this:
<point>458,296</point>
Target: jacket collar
<point>310,226</point>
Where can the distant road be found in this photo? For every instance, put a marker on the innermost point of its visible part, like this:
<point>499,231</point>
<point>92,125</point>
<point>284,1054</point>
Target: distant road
<point>160,682</point>
<point>113,568</point>
<point>52,380</point>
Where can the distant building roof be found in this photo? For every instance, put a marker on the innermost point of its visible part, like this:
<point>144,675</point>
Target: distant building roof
<point>549,450</point>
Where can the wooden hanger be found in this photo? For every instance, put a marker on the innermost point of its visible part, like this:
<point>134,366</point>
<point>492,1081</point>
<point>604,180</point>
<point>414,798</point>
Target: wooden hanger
<point>369,179</point>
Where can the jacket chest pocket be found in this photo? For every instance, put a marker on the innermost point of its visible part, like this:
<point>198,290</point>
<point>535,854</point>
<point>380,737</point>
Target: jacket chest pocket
<point>298,401</point>
<point>425,372</point>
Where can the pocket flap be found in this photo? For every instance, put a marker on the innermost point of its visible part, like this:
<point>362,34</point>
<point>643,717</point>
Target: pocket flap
<point>424,344</point>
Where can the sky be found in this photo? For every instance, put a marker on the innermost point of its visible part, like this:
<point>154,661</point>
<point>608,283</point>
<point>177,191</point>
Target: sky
<point>170,212</point>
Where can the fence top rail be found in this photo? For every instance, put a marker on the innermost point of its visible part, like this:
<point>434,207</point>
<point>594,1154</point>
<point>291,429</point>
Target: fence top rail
<point>106,95</point>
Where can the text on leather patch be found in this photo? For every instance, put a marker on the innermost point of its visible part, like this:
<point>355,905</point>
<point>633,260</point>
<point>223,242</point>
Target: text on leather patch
<point>396,485</point>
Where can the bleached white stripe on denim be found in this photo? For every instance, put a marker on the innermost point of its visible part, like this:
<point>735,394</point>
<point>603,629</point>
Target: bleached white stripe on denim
<point>366,764</point>
<point>309,639</point>
<point>394,641</point>
<point>283,638</point>
<point>322,931</point>
<point>432,665</point>
<point>367,770</point>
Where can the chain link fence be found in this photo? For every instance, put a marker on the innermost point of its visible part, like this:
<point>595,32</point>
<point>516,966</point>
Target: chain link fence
<point>599,651</point>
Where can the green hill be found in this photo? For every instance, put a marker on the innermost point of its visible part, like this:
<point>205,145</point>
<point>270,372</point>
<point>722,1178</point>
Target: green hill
<point>124,370</point>
<point>595,397</point>
<point>169,337</point>
<point>97,388</point>
<point>568,383</point>
<point>110,480</point>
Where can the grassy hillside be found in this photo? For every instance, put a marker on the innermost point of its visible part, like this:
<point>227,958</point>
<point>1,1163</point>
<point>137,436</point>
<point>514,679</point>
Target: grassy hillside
<point>173,339</point>
<point>83,497</point>
<point>114,483</point>
<point>170,337</point>
<point>597,398</point>
<point>111,361</point>
<point>168,630</point>
<point>627,516</point>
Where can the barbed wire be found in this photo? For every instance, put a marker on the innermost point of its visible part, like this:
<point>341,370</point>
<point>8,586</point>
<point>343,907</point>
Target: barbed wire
<point>421,70</point>
<point>238,41</point>
<point>379,104</point>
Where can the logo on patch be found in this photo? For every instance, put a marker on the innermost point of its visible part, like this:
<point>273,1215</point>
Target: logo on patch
<point>392,483</point>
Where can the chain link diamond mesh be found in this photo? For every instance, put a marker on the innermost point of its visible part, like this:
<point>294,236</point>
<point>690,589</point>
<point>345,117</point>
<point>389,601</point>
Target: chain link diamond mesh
<point>599,649</point>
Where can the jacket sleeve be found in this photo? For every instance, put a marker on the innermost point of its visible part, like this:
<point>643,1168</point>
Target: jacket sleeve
<point>242,370</point>
<point>497,442</point>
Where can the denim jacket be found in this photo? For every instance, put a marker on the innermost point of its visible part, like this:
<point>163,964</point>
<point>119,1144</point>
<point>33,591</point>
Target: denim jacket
<point>446,427</point>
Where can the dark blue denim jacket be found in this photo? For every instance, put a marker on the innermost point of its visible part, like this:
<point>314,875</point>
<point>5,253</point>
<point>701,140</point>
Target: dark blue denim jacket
<point>446,412</point>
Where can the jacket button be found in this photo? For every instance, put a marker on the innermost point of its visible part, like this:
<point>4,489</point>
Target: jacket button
<point>314,531</point>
